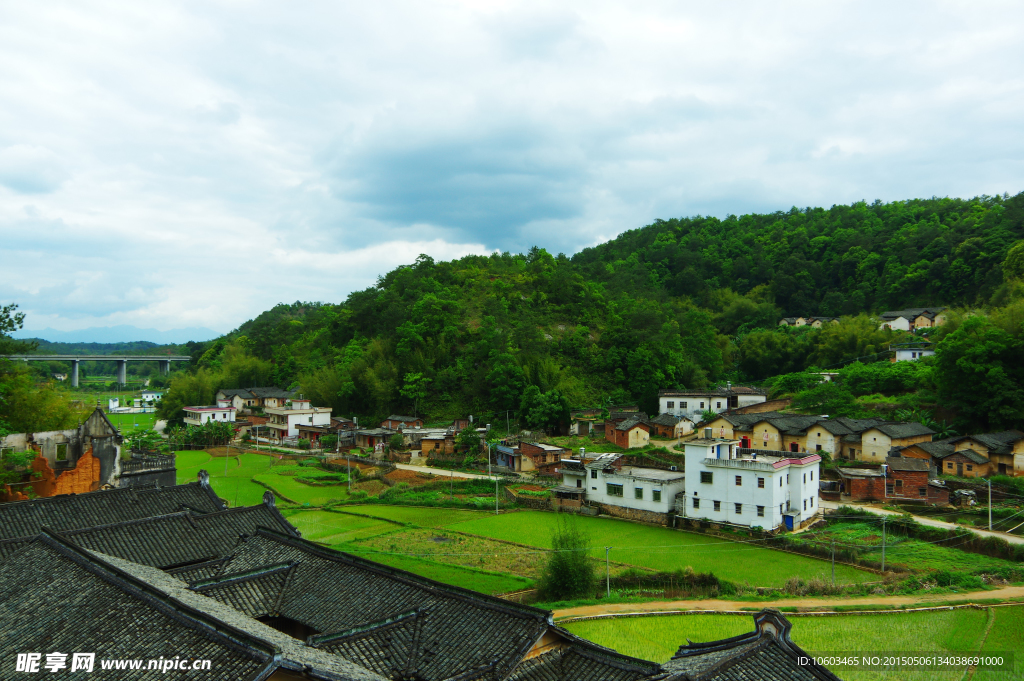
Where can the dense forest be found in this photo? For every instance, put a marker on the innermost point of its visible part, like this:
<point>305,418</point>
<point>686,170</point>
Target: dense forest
<point>689,302</point>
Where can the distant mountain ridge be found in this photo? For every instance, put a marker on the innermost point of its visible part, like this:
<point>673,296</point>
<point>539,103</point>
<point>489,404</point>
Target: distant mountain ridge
<point>119,334</point>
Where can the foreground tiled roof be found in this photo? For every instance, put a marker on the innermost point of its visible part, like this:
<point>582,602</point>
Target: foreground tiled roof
<point>104,507</point>
<point>126,611</point>
<point>576,658</point>
<point>271,392</point>
<point>172,540</point>
<point>667,420</point>
<point>766,654</point>
<point>902,430</point>
<point>631,423</point>
<point>906,463</point>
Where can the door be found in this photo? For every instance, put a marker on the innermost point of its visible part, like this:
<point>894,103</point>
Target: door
<point>794,447</point>
<point>960,468</point>
<point>745,442</point>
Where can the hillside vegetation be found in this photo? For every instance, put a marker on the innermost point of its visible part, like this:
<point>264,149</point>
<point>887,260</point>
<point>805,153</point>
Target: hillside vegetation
<point>679,303</point>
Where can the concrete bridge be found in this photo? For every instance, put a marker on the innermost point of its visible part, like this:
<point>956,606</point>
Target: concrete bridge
<point>122,362</point>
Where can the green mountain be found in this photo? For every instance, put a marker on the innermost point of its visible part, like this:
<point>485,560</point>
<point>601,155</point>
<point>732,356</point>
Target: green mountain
<point>683,302</point>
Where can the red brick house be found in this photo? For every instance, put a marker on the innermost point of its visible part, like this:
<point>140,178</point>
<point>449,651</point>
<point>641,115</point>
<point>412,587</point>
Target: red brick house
<point>395,422</point>
<point>902,478</point>
<point>545,458</point>
<point>629,433</point>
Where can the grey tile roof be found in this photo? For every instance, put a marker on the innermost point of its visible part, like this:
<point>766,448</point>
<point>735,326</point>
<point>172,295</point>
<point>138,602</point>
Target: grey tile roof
<point>577,658</point>
<point>903,430</point>
<point>766,654</point>
<point>76,511</point>
<point>968,454</point>
<point>335,593</point>
<point>631,423</point>
<point>109,598</point>
<point>240,392</point>
<point>403,419</point>
<point>626,415</point>
<point>257,592</point>
<point>271,391</point>
<point>171,540</point>
<point>667,420</point>
<point>906,463</point>
<point>858,425</point>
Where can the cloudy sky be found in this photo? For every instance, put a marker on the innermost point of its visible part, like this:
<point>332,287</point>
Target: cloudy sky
<point>190,164</point>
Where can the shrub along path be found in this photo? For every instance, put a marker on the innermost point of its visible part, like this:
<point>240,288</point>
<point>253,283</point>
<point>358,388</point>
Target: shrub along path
<point>1006,593</point>
<point>925,520</point>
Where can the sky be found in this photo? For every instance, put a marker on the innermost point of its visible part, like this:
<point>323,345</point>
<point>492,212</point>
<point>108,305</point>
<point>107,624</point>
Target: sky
<point>170,165</point>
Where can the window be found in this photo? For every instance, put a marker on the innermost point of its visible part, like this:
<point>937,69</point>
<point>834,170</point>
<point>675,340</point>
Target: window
<point>889,489</point>
<point>701,405</point>
<point>780,508</point>
<point>805,478</point>
<point>62,452</point>
<point>970,467</point>
<point>593,473</point>
<point>638,492</point>
<point>739,509</point>
<point>671,405</point>
<point>780,481</point>
<point>760,511</point>
<point>718,505</point>
<point>787,478</point>
<point>805,504</point>
<point>760,483</point>
<point>579,483</point>
<point>817,448</point>
<point>812,475</point>
<point>739,480</point>
<point>696,502</point>
<point>656,495</point>
<point>682,405</point>
<point>718,405</point>
<point>787,507</point>
<point>949,465</point>
<point>614,490</point>
<point>812,502</point>
<point>705,477</point>
<point>922,491</point>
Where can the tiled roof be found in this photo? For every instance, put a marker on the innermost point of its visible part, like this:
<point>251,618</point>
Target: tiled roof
<point>936,449</point>
<point>577,658</point>
<point>906,463</point>
<point>719,392</point>
<point>104,507</point>
<point>335,593</point>
<point>766,654</point>
<point>912,313</point>
<point>571,465</point>
<point>257,593</point>
<point>403,419</point>
<point>902,430</point>
<point>667,420</point>
<point>858,425</point>
<point>632,423</point>
<point>968,454</point>
<point>171,540</point>
<point>621,415</point>
<point>272,392</point>
<point>240,392</point>
<point>109,598</point>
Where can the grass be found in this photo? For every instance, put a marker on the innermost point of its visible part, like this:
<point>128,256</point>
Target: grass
<point>664,549</point>
<point>908,552</point>
<point>232,478</point>
<point>419,515</point>
<point>1007,634</point>
<point>125,421</point>
<point>657,638</point>
<point>336,528</point>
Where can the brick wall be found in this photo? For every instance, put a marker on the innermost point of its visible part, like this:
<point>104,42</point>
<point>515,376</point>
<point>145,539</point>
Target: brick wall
<point>85,477</point>
<point>864,488</point>
<point>913,482</point>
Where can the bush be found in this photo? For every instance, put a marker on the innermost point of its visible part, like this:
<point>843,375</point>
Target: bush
<point>569,572</point>
<point>303,443</point>
<point>358,494</point>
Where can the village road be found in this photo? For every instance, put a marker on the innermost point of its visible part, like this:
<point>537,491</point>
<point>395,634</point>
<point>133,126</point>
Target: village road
<point>442,471</point>
<point>924,600</point>
<point>1012,538</point>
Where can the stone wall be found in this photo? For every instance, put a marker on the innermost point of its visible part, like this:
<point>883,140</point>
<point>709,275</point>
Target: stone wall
<point>635,514</point>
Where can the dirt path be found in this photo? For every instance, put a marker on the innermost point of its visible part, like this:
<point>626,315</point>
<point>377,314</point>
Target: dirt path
<point>441,472</point>
<point>1005,593</point>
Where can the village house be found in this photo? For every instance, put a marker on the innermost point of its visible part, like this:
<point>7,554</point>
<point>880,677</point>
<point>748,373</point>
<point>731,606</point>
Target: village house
<point>671,426</point>
<point>434,442</point>
<point>543,458</point>
<point>911,352</point>
<point>913,318</point>
<point>395,422</point>
<point>285,420</point>
<point>815,322</point>
<point>877,441</point>
<point>582,421</point>
<point>198,416</point>
<point>793,321</point>
<point>629,433</point>
<point>901,478</point>
<point>254,398</point>
<point>755,488</point>
<point>634,492</point>
<point>693,403</point>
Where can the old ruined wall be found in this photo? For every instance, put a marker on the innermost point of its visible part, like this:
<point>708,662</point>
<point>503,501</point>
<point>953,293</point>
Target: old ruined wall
<point>635,514</point>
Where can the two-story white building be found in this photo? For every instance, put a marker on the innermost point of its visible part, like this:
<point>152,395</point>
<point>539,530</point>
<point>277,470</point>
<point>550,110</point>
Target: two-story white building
<point>197,416</point>
<point>693,403</point>
<point>633,492</point>
<point>286,419</point>
<point>728,484</point>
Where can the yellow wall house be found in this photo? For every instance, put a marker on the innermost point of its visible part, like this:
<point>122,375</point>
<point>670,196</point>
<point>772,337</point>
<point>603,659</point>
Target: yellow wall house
<point>877,441</point>
<point>1005,450</point>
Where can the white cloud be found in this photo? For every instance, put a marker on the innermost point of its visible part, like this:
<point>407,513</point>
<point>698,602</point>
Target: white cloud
<point>173,164</point>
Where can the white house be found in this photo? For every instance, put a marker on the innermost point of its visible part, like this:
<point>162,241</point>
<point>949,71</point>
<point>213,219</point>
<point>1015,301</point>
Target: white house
<point>727,484</point>
<point>693,403</point>
<point>285,420</point>
<point>627,491</point>
<point>912,351</point>
<point>197,416</point>
<point>151,395</point>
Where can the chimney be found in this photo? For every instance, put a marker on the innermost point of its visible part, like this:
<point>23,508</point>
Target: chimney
<point>709,433</point>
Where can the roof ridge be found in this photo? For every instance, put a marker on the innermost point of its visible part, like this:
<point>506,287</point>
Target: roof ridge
<point>235,577</point>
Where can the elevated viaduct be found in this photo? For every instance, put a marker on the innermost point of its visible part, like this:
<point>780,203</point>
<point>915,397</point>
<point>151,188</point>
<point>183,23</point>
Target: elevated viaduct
<point>122,362</point>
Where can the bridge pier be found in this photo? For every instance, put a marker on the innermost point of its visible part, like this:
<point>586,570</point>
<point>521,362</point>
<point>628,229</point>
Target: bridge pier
<point>74,373</point>
<point>165,366</point>
<point>122,371</point>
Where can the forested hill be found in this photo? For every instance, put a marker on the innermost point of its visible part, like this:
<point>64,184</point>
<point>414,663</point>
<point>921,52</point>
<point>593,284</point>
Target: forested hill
<point>688,302</point>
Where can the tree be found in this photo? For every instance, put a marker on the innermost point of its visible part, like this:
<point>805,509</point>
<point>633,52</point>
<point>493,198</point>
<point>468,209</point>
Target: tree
<point>826,398</point>
<point>10,321</point>
<point>397,442</point>
<point>468,440</point>
<point>142,440</point>
<point>415,389</point>
<point>569,572</point>
<point>1013,265</point>
<point>544,410</point>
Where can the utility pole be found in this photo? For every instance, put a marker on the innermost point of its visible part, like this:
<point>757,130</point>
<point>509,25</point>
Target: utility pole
<point>883,545</point>
<point>989,505</point>
<point>607,572</point>
<point>833,562</point>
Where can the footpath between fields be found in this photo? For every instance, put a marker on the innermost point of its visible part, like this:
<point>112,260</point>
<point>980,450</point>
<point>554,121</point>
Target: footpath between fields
<point>1006,593</point>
